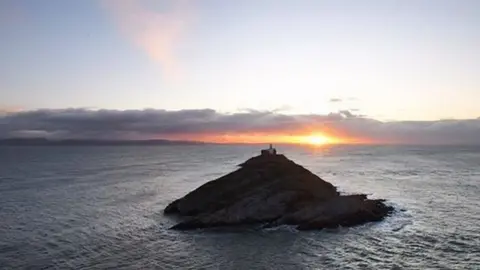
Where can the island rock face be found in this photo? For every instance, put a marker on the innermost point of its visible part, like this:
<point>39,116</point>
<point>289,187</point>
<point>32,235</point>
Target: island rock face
<point>273,190</point>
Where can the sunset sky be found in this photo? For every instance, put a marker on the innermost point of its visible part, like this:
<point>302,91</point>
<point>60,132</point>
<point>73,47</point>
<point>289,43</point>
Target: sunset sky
<point>385,71</point>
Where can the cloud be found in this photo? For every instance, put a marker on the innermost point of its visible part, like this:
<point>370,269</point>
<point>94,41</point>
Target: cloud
<point>334,100</point>
<point>155,26</point>
<point>151,123</point>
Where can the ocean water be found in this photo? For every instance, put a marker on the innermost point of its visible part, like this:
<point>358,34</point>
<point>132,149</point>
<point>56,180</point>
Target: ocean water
<point>101,208</point>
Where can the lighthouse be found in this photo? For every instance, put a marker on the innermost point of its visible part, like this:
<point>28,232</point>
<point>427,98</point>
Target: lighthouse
<point>269,151</point>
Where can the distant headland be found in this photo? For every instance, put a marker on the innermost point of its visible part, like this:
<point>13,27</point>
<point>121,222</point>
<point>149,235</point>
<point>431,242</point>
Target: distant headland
<point>88,142</point>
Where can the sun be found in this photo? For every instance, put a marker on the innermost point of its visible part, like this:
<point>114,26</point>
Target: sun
<point>316,139</point>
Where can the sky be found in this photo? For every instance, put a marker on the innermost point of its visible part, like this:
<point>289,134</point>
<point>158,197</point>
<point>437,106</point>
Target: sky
<point>363,71</point>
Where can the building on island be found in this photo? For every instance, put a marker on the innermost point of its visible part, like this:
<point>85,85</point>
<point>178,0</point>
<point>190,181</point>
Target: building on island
<point>269,151</point>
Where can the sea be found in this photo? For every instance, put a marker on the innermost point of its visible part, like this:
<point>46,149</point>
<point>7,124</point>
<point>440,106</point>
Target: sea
<point>101,207</point>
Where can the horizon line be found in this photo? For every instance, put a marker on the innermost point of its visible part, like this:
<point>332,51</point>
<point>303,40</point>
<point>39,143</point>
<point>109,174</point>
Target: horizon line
<point>18,141</point>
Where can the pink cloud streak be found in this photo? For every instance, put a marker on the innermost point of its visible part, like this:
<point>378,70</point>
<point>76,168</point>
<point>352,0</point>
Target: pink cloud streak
<point>157,32</point>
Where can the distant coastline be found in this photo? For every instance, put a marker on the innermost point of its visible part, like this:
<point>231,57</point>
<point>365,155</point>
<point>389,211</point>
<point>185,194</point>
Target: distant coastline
<point>159,142</point>
<point>90,142</point>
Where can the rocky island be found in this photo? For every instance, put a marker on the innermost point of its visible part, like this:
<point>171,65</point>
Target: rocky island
<point>272,190</point>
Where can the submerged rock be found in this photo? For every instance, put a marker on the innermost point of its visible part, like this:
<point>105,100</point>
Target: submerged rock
<point>270,189</point>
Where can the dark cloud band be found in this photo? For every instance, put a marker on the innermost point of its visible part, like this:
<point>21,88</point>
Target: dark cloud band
<point>150,123</point>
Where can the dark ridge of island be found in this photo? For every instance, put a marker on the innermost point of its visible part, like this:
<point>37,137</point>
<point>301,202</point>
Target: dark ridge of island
<point>272,190</point>
<point>88,142</point>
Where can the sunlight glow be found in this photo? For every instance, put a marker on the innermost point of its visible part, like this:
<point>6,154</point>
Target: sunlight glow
<point>316,139</point>
<point>313,139</point>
